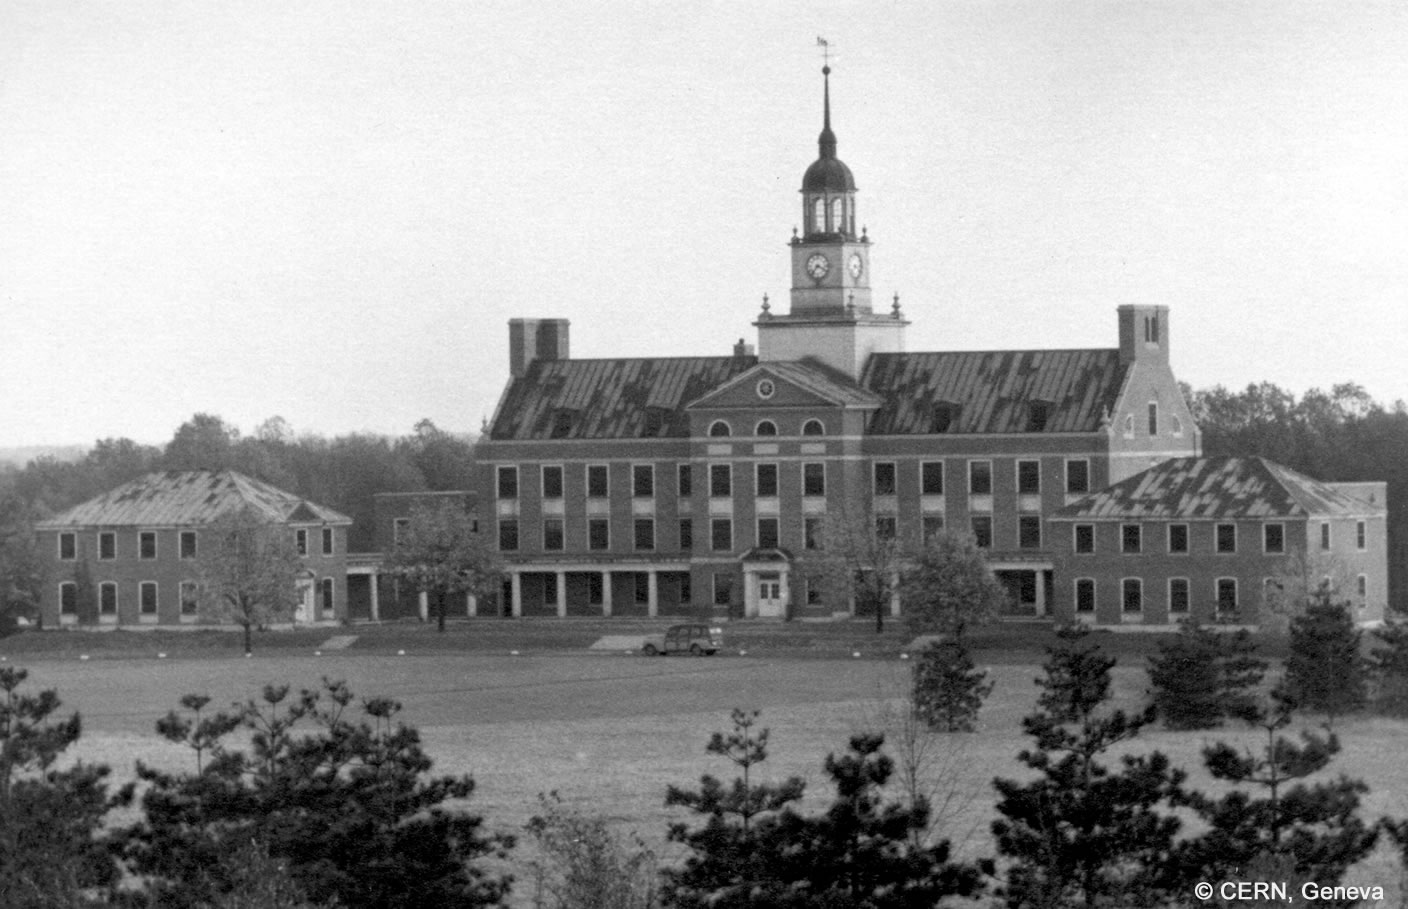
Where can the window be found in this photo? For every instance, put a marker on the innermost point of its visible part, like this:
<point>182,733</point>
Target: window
<point>1273,538</point>
<point>327,541</point>
<point>645,534</point>
<point>933,525</point>
<point>723,588</point>
<point>68,546</point>
<point>1029,531</point>
<point>1153,418</point>
<point>1131,538</point>
<point>1178,538</point>
<point>598,533</point>
<point>1077,476</point>
<point>813,592</point>
<point>1178,596</point>
<point>766,428</point>
<point>190,598</point>
<point>685,482</point>
<point>1132,594</point>
<point>552,481</point>
<point>719,429</point>
<point>931,478</point>
<point>1325,535</point>
<point>686,594</point>
<point>300,541</point>
<point>686,534</point>
<point>767,480</point>
<point>768,533</point>
<point>549,589</point>
<point>1361,535</point>
<point>942,417</point>
<point>1151,330</point>
<point>561,424</point>
<point>554,535</point>
<point>508,534</point>
<point>508,482</point>
<point>399,527</point>
<point>813,479</point>
<point>886,528</point>
<point>68,598</point>
<point>813,428</point>
<point>1038,412</point>
<point>596,591</point>
<point>884,478</point>
<point>642,584</point>
<point>107,545</point>
<point>811,533</point>
<point>107,598</point>
<point>980,478</point>
<point>598,481</point>
<point>720,480</point>
<point>1129,426</point>
<point>1226,537</point>
<point>325,599</point>
<point>982,531</point>
<point>1177,426</point>
<point>721,534</point>
<point>1361,586</point>
<point>146,597</point>
<point>1226,596</point>
<point>643,481</point>
<point>1084,538</point>
<point>1029,477</point>
<point>1085,595</point>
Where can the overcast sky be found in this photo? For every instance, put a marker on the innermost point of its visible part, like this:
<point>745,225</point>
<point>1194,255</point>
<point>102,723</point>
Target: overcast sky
<point>329,211</point>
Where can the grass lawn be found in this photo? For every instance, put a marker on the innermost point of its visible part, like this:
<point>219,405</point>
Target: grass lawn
<point>611,731</point>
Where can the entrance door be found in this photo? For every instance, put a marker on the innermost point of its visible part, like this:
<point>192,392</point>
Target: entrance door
<point>304,611</point>
<point>770,594</point>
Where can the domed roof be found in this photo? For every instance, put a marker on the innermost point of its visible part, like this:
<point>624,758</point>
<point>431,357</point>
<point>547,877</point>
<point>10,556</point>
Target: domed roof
<point>827,173</point>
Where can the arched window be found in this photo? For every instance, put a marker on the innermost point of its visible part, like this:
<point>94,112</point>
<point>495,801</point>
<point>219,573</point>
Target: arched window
<point>819,214</point>
<point>836,215</point>
<point>766,428</point>
<point>719,428</point>
<point>813,428</point>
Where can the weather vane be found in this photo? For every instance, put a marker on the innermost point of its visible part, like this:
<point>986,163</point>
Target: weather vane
<point>826,51</point>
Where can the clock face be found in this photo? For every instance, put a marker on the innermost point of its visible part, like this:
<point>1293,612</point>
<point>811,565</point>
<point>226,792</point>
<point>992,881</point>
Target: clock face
<point>818,266</point>
<point>856,265</point>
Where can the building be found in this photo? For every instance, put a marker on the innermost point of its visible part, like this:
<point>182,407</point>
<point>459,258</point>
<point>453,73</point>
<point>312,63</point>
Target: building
<point>1218,540</point>
<point>659,486</point>
<point>139,544</point>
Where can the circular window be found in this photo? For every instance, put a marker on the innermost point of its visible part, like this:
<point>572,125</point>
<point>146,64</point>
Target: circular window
<point>766,428</point>
<point>766,389</point>
<point>719,428</point>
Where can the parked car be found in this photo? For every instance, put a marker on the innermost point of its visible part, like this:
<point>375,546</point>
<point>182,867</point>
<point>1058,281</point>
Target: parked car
<point>696,639</point>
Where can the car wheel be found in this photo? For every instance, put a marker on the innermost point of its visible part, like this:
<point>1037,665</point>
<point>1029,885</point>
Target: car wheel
<point>696,650</point>
<point>649,650</point>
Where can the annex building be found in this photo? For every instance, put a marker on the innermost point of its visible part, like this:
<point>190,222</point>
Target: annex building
<point>681,485</point>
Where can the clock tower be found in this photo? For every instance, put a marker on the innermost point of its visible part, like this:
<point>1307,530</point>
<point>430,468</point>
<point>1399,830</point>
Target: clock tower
<point>831,318</point>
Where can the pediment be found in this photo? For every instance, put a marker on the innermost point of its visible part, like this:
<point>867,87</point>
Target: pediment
<point>765,385</point>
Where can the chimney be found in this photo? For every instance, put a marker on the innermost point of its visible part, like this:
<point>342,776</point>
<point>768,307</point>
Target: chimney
<point>535,339</point>
<point>1143,333</point>
<point>742,350</point>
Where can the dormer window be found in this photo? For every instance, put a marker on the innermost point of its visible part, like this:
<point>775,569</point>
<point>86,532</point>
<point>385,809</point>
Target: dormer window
<point>561,424</point>
<point>719,429</point>
<point>943,417</point>
<point>1038,412</point>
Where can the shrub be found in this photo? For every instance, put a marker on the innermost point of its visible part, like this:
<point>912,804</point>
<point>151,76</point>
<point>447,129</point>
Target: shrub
<point>584,865</point>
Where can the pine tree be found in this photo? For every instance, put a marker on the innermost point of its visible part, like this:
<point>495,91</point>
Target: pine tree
<point>1314,830</point>
<point>948,689</point>
<point>1240,672</point>
<point>1082,833</point>
<point>1077,676</point>
<point>1202,676</point>
<point>1325,670</point>
<point>1389,663</point>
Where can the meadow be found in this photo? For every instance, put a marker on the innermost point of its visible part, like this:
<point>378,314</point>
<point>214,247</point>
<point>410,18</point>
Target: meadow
<point>610,731</point>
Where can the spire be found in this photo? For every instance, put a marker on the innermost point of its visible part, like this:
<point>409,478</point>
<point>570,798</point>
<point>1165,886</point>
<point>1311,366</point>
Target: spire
<point>827,140</point>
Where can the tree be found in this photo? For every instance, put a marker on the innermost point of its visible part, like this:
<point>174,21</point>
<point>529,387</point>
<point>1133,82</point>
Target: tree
<point>248,569</point>
<point>1077,676</point>
<point>1325,670</point>
<point>1299,578</point>
<point>1314,830</point>
<point>439,552</point>
<point>859,560</point>
<point>204,442</point>
<point>347,808</point>
<point>949,586</point>
<point>1081,834</point>
<point>860,853</point>
<point>1389,663</point>
<point>50,819</point>
<point>444,460</point>
<point>948,689</point>
<point>1201,676</point>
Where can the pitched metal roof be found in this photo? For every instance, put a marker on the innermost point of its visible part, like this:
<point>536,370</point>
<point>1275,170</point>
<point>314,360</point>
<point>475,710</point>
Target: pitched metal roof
<point>993,391</point>
<point>812,376</point>
<point>609,399</point>
<point>1218,488</point>
<point>184,497</point>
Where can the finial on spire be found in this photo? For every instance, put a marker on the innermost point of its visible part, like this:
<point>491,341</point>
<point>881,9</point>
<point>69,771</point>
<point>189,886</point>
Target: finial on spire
<point>827,140</point>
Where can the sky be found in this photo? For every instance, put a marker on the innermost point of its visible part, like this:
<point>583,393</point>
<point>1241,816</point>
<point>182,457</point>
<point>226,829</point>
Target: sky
<point>328,211</point>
